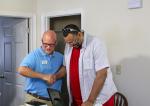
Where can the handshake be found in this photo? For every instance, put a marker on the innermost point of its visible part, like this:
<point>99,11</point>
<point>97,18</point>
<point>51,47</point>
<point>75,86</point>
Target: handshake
<point>49,78</point>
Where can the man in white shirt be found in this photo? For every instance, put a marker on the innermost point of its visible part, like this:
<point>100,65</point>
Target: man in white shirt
<point>89,78</point>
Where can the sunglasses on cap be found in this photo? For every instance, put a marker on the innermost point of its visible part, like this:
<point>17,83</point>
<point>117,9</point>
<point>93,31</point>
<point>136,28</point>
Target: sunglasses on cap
<point>68,30</point>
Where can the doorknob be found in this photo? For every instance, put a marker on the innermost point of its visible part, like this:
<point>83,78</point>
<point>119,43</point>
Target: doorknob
<point>2,76</point>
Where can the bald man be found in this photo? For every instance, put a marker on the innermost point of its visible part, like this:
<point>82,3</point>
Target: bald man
<point>39,68</point>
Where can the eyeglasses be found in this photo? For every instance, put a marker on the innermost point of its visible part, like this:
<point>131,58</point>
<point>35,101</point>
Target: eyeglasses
<point>49,45</point>
<point>68,30</point>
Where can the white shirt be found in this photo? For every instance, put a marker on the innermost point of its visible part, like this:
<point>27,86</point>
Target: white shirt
<point>93,57</point>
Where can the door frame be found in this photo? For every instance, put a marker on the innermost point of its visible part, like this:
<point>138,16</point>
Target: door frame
<point>45,17</point>
<point>32,22</point>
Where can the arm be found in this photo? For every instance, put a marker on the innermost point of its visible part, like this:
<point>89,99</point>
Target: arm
<point>28,72</point>
<point>61,73</point>
<point>97,87</point>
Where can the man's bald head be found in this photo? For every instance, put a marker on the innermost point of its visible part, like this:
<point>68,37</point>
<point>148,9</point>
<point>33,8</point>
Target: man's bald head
<point>49,34</point>
<point>49,40</point>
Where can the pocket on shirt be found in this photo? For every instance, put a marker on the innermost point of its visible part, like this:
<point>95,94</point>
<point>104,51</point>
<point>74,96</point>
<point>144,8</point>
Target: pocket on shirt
<point>88,65</point>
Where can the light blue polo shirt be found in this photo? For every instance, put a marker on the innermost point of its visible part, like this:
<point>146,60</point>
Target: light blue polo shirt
<point>41,62</point>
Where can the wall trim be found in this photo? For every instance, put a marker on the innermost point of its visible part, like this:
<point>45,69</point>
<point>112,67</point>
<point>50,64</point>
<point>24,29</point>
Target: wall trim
<point>46,16</point>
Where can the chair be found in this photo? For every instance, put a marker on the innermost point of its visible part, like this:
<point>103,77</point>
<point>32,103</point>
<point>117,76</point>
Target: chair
<point>120,99</point>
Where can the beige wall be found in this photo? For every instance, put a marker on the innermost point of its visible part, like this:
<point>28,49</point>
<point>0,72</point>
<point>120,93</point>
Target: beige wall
<point>127,36</point>
<point>125,31</point>
<point>18,5</point>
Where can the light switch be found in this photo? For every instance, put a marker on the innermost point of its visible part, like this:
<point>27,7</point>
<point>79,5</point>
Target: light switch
<point>118,69</point>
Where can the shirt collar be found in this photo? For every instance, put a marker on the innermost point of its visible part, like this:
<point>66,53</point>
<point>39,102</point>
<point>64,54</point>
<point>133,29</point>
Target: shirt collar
<point>84,44</point>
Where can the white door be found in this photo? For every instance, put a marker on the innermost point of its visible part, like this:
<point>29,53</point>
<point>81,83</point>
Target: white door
<point>15,47</point>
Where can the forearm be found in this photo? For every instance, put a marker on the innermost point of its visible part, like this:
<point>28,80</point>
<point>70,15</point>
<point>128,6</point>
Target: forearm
<point>98,84</point>
<point>61,73</point>
<point>28,72</point>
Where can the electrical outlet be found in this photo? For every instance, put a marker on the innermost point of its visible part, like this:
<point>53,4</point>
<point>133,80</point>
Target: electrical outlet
<point>118,69</point>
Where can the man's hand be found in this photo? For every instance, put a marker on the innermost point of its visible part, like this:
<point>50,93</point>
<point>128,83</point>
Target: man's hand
<point>49,78</point>
<point>87,103</point>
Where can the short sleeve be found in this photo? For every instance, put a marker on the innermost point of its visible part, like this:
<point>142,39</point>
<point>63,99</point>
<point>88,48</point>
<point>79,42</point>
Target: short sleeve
<point>29,61</point>
<point>100,55</point>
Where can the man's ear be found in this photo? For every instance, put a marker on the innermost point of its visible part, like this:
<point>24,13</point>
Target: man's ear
<point>79,34</point>
<point>42,39</point>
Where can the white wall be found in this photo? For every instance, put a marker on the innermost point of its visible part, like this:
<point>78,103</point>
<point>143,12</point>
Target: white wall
<point>18,5</point>
<point>127,36</point>
<point>125,31</point>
